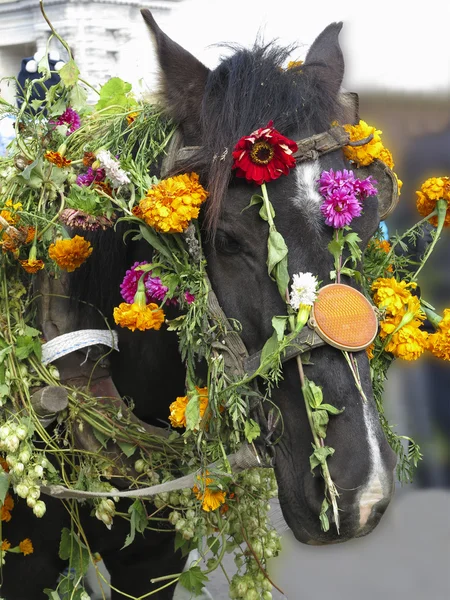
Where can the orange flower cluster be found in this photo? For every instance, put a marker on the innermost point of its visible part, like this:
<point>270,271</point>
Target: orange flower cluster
<point>211,496</point>
<point>177,409</point>
<point>10,210</point>
<point>26,547</point>
<point>5,545</point>
<point>7,507</point>
<point>439,342</point>
<point>70,254</point>
<point>57,159</point>
<point>432,190</point>
<point>134,316</point>
<point>32,265</point>
<point>170,205</point>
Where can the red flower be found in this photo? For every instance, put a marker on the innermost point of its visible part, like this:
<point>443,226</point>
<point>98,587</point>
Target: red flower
<point>264,155</point>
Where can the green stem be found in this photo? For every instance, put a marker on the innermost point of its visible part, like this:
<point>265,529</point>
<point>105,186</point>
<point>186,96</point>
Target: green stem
<point>267,205</point>
<point>441,209</point>
<point>408,232</point>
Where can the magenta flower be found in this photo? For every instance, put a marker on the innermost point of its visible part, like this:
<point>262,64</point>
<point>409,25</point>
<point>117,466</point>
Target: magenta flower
<point>340,208</point>
<point>90,176</point>
<point>69,117</point>
<point>155,291</point>
<point>342,194</point>
<point>190,298</point>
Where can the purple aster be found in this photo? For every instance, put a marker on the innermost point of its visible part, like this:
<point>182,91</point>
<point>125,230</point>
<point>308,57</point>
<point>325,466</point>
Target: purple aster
<point>365,187</point>
<point>330,181</point>
<point>69,117</point>
<point>340,208</point>
<point>156,291</point>
<point>90,176</point>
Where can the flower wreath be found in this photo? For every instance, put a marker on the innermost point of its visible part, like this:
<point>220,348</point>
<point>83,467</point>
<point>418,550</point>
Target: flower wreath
<point>70,166</point>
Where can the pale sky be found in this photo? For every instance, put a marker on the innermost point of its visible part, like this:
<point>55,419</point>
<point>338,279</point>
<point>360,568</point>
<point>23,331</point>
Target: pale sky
<point>387,44</point>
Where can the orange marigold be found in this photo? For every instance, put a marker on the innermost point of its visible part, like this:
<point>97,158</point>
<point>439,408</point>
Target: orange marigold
<point>70,254</point>
<point>32,265</point>
<point>170,205</point>
<point>134,316</point>
<point>57,159</point>
<point>211,497</point>
<point>5,545</point>
<point>386,157</point>
<point>408,343</point>
<point>26,547</point>
<point>439,342</point>
<point>88,159</point>
<point>7,507</point>
<point>363,155</point>
<point>432,190</point>
<point>177,409</point>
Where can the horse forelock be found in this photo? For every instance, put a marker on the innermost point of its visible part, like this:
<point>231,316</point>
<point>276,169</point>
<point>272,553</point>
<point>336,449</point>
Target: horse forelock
<point>245,92</point>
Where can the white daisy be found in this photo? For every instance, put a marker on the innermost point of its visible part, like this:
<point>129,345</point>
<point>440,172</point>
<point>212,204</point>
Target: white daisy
<point>303,290</point>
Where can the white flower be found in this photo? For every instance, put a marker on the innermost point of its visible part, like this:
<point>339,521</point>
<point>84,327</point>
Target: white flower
<point>112,168</point>
<point>303,290</point>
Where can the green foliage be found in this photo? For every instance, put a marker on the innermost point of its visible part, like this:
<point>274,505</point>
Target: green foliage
<point>138,521</point>
<point>115,96</point>
<point>193,580</point>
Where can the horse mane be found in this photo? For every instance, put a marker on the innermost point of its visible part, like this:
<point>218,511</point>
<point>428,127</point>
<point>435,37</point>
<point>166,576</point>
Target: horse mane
<point>245,92</point>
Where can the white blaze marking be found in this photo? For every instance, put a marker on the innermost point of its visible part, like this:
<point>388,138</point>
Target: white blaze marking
<point>373,492</point>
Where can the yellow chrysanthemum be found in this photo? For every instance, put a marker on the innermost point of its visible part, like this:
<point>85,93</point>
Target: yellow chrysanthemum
<point>26,547</point>
<point>170,205</point>
<point>386,157</point>
<point>366,154</point>
<point>5,545</point>
<point>8,213</point>
<point>70,254</point>
<point>177,409</point>
<point>134,316</point>
<point>439,342</point>
<point>432,190</point>
<point>391,294</point>
<point>57,159</point>
<point>211,497</point>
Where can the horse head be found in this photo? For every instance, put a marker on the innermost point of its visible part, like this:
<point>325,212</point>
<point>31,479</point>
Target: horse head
<point>214,109</point>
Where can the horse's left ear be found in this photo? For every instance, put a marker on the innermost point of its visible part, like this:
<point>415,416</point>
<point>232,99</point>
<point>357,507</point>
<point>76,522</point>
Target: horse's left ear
<point>325,59</point>
<point>183,80</point>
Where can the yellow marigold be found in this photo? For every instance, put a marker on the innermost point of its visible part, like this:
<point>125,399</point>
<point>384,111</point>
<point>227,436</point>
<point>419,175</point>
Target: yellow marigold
<point>7,507</point>
<point>32,265</point>
<point>386,157</point>
<point>177,409</point>
<point>366,154</point>
<point>211,497</point>
<point>57,159</point>
<point>134,316</point>
<point>171,204</point>
<point>70,254</point>
<point>439,342</point>
<point>369,351</point>
<point>26,547</point>
<point>132,117</point>
<point>5,545</point>
<point>408,343</point>
<point>391,294</point>
<point>9,215</point>
<point>433,189</point>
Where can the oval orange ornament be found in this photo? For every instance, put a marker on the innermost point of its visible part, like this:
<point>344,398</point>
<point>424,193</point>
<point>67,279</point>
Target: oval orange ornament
<point>344,318</point>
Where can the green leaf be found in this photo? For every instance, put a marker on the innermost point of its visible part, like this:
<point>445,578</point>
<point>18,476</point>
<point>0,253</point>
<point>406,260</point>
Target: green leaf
<point>335,248</point>
<point>52,594</point>
<point>4,390</point>
<point>36,104</point>
<point>279,324</point>
<point>325,523</point>
<point>65,545</point>
<point>4,353</point>
<point>43,66</point>
<point>101,437</point>
<point>77,97</point>
<point>320,420</point>
<point>213,544</point>
<point>31,331</point>
<point>314,393</point>
<point>114,95</point>
<point>4,485</point>
<point>332,409</point>
<point>138,521</point>
<point>58,107</point>
<point>263,211</point>
<point>127,449</point>
<point>319,456</point>
<point>69,73</point>
<point>193,580</point>
<point>193,412</point>
<point>24,346</point>
<point>251,430</point>
<point>277,265</point>
<point>255,199</point>
<point>269,348</point>
<point>152,238</point>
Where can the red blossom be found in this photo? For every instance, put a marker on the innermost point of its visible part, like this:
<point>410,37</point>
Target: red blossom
<point>264,155</point>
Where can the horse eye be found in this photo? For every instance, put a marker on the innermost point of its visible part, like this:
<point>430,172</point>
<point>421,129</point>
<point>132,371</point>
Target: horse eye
<point>226,244</point>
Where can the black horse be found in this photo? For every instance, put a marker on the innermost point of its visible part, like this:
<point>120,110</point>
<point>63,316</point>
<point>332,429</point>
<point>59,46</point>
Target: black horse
<point>214,109</point>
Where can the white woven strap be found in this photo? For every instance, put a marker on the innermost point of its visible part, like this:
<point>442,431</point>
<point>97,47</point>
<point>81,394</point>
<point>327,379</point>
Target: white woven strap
<point>73,341</point>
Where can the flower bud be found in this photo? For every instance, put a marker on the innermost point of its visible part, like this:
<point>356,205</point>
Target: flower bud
<point>39,509</point>
<point>18,468</point>
<point>12,443</point>
<point>39,470</point>
<point>25,456</point>
<point>5,431</point>
<point>22,490</point>
<point>31,502</point>
<point>34,492</point>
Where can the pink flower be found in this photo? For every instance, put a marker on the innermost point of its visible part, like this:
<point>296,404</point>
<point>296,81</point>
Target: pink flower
<point>340,208</point>
<point>69,117</point>
<point>190,298</point>
<point>90,176</point>
<point>155,291</point>
<point>342,193</point>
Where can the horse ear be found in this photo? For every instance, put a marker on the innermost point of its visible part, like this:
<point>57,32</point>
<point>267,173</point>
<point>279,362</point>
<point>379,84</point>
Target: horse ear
<point>183,80</point>
<point>325,58</point>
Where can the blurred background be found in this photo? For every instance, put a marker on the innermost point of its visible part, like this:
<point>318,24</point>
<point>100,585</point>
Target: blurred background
<point>398,61</point>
